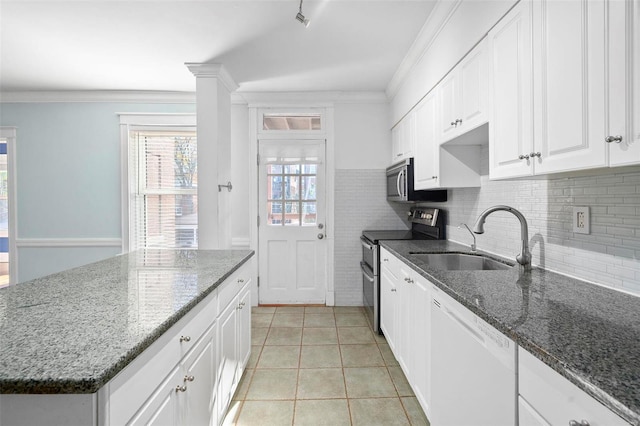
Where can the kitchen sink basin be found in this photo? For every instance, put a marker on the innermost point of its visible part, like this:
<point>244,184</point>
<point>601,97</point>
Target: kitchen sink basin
<point>460,262</point>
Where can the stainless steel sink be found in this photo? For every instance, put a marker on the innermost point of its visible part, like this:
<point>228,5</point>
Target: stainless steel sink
<point>460,262</point>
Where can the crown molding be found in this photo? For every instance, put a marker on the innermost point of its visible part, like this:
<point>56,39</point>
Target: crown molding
<point>213,71</point>
<point>257,99</point>
<point>437,20</point>
<point>124,96</point>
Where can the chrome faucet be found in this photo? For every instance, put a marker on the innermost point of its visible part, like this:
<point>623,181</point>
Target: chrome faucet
<point>473,246</point>
<point>524,258</point>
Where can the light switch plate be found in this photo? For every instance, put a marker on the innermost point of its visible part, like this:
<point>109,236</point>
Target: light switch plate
<point>581,220</point>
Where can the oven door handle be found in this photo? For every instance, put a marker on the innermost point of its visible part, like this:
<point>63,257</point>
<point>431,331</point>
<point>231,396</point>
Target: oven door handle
<point>365,244</point>
<point>365,272</point>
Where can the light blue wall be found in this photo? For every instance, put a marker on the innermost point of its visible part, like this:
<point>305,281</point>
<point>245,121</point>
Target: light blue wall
<point>68,176</point>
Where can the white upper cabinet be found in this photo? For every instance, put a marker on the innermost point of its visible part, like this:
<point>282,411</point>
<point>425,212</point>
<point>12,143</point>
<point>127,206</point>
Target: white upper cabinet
<point>463,95</point>
<point>562,94</point>
<point>439,166</point>
<point>426,168</point>
<point>623,121</point>
<point>569,80</point>
<point>403,138</point>
<point>510,85</point>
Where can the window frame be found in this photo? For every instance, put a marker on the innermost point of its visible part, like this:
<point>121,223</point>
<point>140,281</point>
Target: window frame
<point>262,112</point>
<point>131,122</point>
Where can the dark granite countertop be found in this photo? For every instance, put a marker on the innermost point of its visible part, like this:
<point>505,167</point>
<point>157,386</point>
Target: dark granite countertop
<point>587,333</point>
<point>73,331</point>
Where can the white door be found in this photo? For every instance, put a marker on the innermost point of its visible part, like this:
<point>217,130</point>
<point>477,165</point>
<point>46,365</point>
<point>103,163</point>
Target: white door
<point>291,233</point>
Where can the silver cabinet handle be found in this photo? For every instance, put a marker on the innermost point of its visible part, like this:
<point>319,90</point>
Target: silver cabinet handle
<point>616,139</point>
<point>394,289</point>
<point>385,260</point>
<point>240,280</point>
<point>581,423</point>
<point>399,155</point>
<point>185,339</point>
<point>454,123</point>
<point>182,388</point>
<point>535,154</point>
<point>523,157</point>
<point>189,378</point>
<point>458,121</point>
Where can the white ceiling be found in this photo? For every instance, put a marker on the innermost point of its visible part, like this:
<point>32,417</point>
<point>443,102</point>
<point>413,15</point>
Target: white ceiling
<point>351,45</point>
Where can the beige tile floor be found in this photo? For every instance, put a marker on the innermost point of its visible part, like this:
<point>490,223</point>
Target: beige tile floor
<point>321,366</point>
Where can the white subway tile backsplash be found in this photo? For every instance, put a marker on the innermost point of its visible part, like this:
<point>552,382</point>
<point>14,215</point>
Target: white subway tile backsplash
<point>614,240</point>
<point>360,203</point>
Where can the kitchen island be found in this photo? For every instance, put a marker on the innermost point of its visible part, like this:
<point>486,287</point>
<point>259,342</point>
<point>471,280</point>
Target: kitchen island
<point>588,334</point>
<point>73,332</point>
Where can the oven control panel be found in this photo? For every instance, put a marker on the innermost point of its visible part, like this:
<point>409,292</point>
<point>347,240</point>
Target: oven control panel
<point>425,216</point>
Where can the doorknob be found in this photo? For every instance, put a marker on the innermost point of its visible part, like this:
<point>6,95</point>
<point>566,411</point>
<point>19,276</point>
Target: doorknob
<point>320,236</point>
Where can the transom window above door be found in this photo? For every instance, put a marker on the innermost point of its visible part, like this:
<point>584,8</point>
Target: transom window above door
<point>291,194</point>
<point>291,122</point>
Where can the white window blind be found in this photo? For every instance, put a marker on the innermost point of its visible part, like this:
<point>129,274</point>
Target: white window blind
<point>164,179</point>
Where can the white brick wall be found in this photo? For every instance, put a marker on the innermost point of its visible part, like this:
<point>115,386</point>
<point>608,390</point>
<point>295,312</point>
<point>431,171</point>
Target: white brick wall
<point>360,203</point>
<point>610,255</point>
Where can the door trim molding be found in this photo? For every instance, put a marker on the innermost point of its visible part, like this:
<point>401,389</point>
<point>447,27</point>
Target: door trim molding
<point>328,111</point>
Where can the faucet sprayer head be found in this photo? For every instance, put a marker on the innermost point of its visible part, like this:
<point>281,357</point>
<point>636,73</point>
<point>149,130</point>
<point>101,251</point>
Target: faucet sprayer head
<point>478,228</point>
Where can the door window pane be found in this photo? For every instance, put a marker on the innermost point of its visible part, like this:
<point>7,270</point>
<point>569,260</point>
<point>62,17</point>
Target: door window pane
<point>308,189</point>
<point>309,213</point>
<point>291,187</point>
<point>291,197</point>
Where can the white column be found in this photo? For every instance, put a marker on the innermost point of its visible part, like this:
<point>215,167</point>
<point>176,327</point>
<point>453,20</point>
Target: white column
<point>213,111</point>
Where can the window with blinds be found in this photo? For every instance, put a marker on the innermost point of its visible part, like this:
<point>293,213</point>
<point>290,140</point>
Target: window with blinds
<point>164,177</point>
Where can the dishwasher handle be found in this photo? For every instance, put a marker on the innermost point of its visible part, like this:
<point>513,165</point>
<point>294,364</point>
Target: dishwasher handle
<point>470,328</point>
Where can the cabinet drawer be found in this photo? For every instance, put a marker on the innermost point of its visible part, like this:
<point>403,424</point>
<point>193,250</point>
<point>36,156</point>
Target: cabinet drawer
<point>390,262</point>
<point>133,385</point>
<point>555,399</point>
<point>231,287</point>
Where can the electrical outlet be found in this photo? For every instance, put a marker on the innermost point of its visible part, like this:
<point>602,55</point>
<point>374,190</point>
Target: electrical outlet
<point>581,220</point>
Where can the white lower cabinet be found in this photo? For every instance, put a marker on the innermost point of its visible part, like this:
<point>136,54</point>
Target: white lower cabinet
<point>462,370</point>
<point>405,316</point>
<point>188,376</point>
<point>389,302</point>
<point>547,398</point>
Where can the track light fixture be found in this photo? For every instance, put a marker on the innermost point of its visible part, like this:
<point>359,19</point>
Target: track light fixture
<point>300,17</point>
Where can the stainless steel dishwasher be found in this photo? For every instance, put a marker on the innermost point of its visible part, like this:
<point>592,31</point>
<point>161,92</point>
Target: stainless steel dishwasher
<point>473,368</point>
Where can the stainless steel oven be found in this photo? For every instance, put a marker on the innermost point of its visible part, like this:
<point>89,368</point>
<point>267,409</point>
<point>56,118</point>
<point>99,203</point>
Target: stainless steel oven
<point>400,185</point>
<point>426,223</point>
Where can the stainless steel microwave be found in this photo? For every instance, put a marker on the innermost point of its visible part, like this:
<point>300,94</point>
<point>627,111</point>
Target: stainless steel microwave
<point>400,185</point>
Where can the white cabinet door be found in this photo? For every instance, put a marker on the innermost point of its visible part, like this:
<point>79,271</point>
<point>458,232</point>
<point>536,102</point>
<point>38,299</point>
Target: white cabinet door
<point>244,327</point>
<point>228,365</point>
<point>511,94</point>
<point>402,138</point>
<point>569,79</point>
<point>557,400</point>
<point>388,305</point>
<point>449,93</point>
<point>420,341</point>
<point>623,66</point>
<point>199,378</point>
<point>427,148</point>
<point>474,88</point>
<point>463,95</point>
<point>163,406</point>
